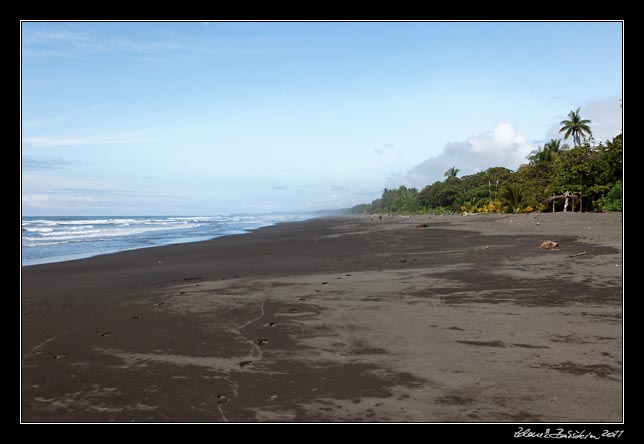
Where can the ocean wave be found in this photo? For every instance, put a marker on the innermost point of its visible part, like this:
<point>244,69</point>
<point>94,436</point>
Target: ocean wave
<point>45,239</point>
<point>65,236</point>
<point>38,230</point>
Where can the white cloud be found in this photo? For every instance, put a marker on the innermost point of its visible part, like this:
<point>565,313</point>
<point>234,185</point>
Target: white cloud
<point>43,36</point>
<point>48,200</point>
<point>44,163</point>
<point>504,134</point>
<point>49,141</point>
<point>66,43</point>
<point>140,136</point>
<point>606,116</point>
<point>36,181</point>
<point>90,201</point>
<point>43,122</point>
<point>386,147</point>
<point>341,196</point>
<point>501,147</point>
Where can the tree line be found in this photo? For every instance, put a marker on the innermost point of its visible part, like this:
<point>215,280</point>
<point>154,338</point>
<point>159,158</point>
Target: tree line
<point>584,177</point>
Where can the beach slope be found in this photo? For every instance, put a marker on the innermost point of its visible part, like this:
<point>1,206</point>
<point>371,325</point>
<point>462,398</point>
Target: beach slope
<point>465,319</point>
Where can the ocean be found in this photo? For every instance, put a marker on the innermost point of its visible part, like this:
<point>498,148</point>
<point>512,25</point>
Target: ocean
<point>55,239</point>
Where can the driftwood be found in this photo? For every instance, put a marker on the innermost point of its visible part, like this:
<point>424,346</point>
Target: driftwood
<point>578,254</point>
<point>549,245</point>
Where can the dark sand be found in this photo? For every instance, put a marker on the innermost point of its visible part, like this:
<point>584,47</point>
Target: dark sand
<point>353,319</point>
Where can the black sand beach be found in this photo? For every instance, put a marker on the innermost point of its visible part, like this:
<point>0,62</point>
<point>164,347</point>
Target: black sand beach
<point>341,319</point>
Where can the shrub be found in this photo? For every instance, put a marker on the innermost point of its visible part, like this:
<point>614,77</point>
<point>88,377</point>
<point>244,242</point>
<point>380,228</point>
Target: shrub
<point>612,201</point>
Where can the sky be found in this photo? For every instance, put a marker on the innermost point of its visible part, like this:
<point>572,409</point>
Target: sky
<point>206,118</point>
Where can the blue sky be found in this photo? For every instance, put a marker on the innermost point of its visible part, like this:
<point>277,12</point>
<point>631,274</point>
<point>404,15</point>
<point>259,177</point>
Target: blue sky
<point>214,118</point>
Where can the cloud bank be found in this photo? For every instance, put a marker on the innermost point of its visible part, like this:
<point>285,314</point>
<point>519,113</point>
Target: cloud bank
<point>605,115</point>
<point>502,147</point>
<point>73,43</point>
<point>29,163</point>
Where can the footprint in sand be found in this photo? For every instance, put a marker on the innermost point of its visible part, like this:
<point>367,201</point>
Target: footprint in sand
<point>294,310</point>
<point>60,356</point>
<point>262,341</point>
<point>245,363</point>
<point>324,283</point>
<point>136,317</point>
<point>105,333</point>
<point>302,299</point>
<point>270,324</point>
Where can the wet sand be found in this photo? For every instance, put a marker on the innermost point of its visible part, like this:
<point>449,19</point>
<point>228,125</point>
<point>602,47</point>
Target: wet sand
<point>336,320</point>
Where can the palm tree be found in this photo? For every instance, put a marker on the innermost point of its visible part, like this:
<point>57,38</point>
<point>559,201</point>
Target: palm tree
<point>554,146</point>
<point>514,196</point>
<point>452,172</point>
<point>549,151</point>
<point>576,127</point>
<point>543,154</point>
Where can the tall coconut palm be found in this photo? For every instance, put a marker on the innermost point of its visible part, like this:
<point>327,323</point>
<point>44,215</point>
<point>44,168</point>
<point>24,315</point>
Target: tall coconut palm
<point>452,172</point>
<point>576,127</point>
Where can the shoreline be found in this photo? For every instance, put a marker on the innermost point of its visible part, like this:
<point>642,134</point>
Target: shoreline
<point>153,247</point>
<point>344,319</point>
<point>82,256</point>
<point>454,218</point>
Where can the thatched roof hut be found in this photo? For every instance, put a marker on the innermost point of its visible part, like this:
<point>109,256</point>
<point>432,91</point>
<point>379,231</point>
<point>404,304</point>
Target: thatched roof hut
<point>552,199</point>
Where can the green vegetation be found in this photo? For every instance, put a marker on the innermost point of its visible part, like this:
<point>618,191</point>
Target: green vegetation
<point>402,200</point>
<point>452,172</point>
<point>515,197</point>
<point>613,200</point>
<point>591,173</point>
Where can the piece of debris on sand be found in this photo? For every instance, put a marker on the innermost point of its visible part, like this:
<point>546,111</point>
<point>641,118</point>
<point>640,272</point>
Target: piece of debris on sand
<point>422,225</point>
<point>549,245</point>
